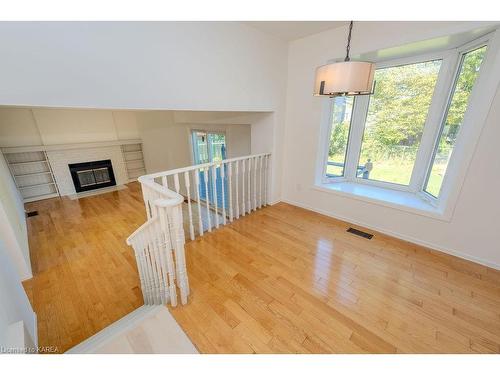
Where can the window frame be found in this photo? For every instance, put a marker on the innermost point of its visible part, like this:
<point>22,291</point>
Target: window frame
<point>451,60</point>
<point>325,178</point>
<point>193,129</point>
<point>460,52</point>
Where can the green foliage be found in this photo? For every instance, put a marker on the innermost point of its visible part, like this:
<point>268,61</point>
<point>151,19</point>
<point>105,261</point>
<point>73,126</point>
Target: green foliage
<point>468,74</point>
<point>396,118</point>
<point>338,139</point>
<point>398,109</point>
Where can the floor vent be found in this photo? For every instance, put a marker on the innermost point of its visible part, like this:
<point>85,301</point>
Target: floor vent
<point>32,213</point>
<point>360,233</point>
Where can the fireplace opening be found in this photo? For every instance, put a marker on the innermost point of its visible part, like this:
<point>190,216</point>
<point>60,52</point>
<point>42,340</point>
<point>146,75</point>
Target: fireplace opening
<point>92,175</point>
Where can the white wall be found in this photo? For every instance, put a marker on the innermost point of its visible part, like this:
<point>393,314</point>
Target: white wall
<point>48,126</point>
<point>144,65</point>
<point>166,143</point>
<point>18,128</point>
<point>13,231</point>
<point>14,258</point>
<point>165,134</point>
<point>14,304</point>
<point>472,231</point>
<point>206,66</point>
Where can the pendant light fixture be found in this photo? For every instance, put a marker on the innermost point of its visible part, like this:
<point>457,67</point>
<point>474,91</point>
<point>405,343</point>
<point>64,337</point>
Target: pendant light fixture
<point>345,78</point>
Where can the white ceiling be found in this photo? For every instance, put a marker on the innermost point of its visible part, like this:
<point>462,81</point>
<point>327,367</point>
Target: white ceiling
<point>291,30</point>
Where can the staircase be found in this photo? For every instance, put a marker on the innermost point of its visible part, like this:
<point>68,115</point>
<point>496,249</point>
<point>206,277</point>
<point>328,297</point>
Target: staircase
<point>195,199</point>
<point>148,329</point>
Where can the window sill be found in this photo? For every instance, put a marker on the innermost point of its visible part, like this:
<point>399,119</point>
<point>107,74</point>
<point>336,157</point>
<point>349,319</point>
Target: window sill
<point>400,200</point>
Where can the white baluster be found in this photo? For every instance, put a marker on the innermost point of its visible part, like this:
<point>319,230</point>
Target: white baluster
<point>200,220</point>
<point>254,184</point>
<point>207,200</point>
<point>249,195</point>
<point>145,199</point>
<point>159,240</point>
<point>266,181</point>
<point>176,183</point>
<point>230,190</point>
<point>214,191</point>
<point>142,257</point>
<point>140,266</point>
<point>163,236</point>
<point>155,258</point>
<point>236,178</point>
<point>243,211</point>
<point>222,178</point>
<point>147,270</point>
<point>152,265</point>
<point>166,228</point>
<point>260,181</point>
<point>154,196</point>
<point>188,188</point>
<point>178,233</point>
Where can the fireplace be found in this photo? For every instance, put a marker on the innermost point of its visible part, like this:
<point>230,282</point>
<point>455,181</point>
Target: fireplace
<point>92,175</point>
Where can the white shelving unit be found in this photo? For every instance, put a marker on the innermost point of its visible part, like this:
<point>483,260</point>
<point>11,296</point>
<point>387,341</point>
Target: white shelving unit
<point>33,175</point>
<point>30,167</point>
<point>134,160</point>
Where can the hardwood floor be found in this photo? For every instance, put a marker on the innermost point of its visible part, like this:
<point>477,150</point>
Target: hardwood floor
<point>85,275</point>
<point>285,280</point>
<point>281,280</point>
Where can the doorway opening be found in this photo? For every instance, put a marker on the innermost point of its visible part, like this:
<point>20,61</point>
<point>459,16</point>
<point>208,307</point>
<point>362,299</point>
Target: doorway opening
<point>209,147</point>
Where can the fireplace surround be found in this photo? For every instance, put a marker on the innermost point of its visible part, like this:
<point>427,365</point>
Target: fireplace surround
<point>92,175</point>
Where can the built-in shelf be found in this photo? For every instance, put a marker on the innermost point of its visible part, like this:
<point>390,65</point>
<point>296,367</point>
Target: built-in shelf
<point>71,146</point>
<point>40,197</point>
<point>33,175</point>
<point>135,169</point>
<point>36,185</point>
<point>29,162</point>
<point>137,159</point>
<point>134,160</point>
<point>30,167</point>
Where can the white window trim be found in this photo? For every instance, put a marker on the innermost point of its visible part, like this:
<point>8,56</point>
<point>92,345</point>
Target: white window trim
<point>467,138</point>
<point>461,51</point>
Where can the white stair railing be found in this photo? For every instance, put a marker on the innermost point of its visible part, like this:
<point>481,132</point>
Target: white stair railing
<point>212,194</point>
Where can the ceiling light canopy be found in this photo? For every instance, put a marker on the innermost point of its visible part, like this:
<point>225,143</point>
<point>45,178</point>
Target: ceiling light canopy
<point>345,78</point>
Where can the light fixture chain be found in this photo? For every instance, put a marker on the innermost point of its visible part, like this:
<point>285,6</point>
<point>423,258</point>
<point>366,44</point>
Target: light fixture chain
<point>348,48</point>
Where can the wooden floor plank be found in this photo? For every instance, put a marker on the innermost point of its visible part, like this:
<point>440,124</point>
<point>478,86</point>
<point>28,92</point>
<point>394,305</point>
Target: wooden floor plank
<point>280,280</point>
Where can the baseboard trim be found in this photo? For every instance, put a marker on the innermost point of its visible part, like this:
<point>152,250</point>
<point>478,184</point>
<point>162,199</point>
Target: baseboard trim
<point>274,202</point>
<point>416,241</point>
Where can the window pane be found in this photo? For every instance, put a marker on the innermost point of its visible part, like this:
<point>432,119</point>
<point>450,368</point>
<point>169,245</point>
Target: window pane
<point>339,136</point>
<point>395,121</point>
<point>217,144</point>
<point>466,78</point>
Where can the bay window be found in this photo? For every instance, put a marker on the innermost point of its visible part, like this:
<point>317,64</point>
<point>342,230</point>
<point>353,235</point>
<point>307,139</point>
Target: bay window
<point>402,136</point>
<point>339,135</point>
<point>464,82</point>
<point>395,121</point>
